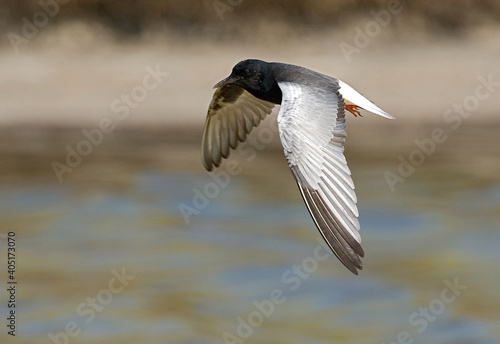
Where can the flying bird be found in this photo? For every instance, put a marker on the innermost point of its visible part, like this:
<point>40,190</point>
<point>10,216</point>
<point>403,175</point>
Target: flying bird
<point>311,124</point>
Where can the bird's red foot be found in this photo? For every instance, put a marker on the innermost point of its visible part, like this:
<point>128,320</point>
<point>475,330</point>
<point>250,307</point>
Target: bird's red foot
<point>354,109</point>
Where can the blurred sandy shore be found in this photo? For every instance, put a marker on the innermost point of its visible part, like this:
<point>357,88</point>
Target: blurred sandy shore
<point>71,78</point>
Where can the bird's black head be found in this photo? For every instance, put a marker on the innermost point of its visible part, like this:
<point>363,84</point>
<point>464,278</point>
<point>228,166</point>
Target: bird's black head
<point>255,76</point>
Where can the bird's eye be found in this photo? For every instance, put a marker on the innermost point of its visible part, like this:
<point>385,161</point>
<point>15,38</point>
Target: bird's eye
<point>247,71</point>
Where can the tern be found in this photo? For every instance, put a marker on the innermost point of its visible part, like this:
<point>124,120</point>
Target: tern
<point>311,125</point>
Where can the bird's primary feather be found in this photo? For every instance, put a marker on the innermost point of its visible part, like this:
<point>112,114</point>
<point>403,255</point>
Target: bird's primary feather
<point>232,115</point>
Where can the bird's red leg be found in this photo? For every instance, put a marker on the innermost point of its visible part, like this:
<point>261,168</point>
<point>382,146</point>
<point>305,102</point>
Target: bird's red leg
<point>354,109</point>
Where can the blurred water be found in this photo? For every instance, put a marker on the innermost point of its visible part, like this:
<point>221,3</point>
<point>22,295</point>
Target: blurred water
<point>229,274</point>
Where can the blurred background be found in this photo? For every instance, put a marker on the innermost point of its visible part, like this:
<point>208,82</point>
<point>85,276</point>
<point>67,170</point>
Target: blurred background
<point>123,237</point>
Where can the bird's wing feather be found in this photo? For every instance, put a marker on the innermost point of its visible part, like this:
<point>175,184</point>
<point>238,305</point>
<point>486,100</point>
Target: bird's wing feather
<point>311,124</point>
<point>353,96</point>
<point>232,114</point>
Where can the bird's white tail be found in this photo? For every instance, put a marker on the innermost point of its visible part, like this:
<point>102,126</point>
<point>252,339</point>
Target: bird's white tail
<point>353,96</point>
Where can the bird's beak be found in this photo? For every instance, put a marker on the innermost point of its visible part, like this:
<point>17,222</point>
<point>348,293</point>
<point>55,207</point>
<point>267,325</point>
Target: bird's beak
<point>226,81</point>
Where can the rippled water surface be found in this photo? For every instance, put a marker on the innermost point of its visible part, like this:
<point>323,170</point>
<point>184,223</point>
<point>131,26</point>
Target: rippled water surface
<point>138,244</point>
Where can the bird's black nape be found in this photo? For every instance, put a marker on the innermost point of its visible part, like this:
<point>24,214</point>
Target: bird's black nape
<point>257,77</point>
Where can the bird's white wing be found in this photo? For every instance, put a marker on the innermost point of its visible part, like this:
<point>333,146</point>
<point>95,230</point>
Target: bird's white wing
<point>232,114</point>
<point>311,124</point>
